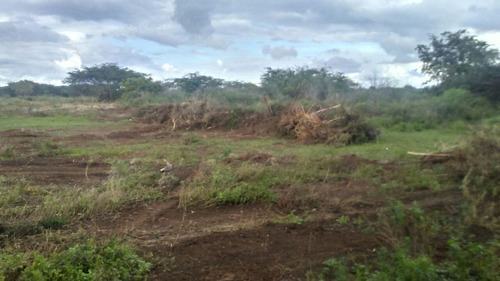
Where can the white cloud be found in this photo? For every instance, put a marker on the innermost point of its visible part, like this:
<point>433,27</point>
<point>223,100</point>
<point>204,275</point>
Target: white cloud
<point>72,62</point>
<point>75,36</point>
<point>43,39</point>
<point>168,67</point>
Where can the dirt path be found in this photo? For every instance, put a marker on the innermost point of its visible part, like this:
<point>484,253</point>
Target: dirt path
<point>56,170</point>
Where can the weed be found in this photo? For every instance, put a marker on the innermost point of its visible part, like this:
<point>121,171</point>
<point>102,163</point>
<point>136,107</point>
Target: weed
<point>220,185</point>
<point>23,228</point>
<point>90,261</point>
<point>56,222</point>
<point>333,269</point>
<point>465,261</point>
<point>45,148</point>
<point>8,152</point>
<point>398,223</point>
<point>343,220</point>
<point>192,138</point>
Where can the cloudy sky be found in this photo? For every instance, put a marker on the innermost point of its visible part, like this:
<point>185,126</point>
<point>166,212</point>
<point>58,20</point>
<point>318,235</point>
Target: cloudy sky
<point>41,40</point>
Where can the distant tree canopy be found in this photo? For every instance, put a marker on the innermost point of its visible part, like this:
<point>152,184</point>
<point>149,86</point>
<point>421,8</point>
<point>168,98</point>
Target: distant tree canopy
<point>103,79</point>
<point>303,81</point>
<point>140,87</point>
<point>454,55</point>
<point>27,89</point>
<point>194,82</point>
<point>456,59</point>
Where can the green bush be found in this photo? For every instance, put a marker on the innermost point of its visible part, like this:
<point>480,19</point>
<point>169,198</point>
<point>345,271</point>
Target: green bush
<point>221,185</point>
<point>459,104</point>
<point>465,261</point>
<point>89,261</point>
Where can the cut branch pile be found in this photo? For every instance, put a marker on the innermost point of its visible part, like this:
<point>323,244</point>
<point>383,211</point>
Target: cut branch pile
<point>332,125</point>
<point>315,126</point>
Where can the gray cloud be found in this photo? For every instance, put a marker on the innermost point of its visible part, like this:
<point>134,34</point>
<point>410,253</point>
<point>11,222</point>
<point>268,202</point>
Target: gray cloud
<point>340,64</point>
<point>194,16</point>
<point>483,16</point>
<point>279,52</point>
<point>122,31</point>
<point>27,31</point>
<point>95,10</point>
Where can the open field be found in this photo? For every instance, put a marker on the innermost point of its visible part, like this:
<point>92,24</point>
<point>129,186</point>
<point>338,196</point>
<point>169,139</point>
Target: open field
<point>234,204</point>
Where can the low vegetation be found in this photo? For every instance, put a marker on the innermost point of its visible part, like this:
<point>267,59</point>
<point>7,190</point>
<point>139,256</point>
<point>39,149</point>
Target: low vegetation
<point>406,178</point>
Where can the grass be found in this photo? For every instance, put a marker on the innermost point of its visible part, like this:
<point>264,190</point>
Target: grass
<point>104,149</point>
<point>88,261</point>
<point>10,122</point>
<point>211,170</point>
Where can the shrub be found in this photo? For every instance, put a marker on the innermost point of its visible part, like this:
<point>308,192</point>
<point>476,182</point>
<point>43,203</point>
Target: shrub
<point>465,261</point>
<point>89,261</point>
<point>478,162</point>
<point>459,104</point>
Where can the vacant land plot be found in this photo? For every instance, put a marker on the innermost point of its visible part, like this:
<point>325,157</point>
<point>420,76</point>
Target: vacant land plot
<point>235,204</point>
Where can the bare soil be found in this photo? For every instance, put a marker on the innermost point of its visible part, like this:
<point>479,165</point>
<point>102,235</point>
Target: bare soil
<point>220,243</point>
<point>45,171</point>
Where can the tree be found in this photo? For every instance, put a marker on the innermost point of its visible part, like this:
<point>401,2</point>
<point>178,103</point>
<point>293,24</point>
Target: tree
<point>485,82</point>
<point>194,82</point>
<point>140,87</point>
<point>300,82</point>
<point>23,88</point>
<point>455,55</point>
<point>102,79</point>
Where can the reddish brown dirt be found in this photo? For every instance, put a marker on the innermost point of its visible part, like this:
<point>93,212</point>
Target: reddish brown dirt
<point>224,243</point>
<point>80,138</point>
<point>56,170</point>
<point>229,243</point>
<point>16,133</point>
<point>272,252</point>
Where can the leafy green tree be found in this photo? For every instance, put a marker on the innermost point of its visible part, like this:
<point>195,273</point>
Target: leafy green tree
<point>23,88</point>
<point>454,55</point>
<point>300,82</point>
<point>194,82</point>
<point>485,82</point>
<point>134,88</point>
<point>104,80</point>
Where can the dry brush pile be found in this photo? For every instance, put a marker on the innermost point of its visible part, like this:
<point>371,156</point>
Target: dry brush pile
<point>332,125</point>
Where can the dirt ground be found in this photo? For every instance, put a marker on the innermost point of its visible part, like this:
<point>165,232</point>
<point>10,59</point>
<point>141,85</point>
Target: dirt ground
<point>211,243</point>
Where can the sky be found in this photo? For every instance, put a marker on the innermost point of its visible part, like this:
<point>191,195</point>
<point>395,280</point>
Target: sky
<point>43,40</point>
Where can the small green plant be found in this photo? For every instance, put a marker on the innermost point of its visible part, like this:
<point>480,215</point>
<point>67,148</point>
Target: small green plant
<point>221,185</point>
<point>333,269</point>
<point>45,148</point>
<point>465,261</point>
<point>8,152</point>
<point>90,261</point>
<point>398,223</point>
<point>343,220</point>
<point>192,138</point>
<point>295,219</point>
<point>55,222</point>
<point>23,228</point>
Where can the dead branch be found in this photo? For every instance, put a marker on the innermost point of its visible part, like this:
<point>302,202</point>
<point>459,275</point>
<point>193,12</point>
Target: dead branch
<point>433,154</point>
<point>325,109</point>
<point>266,101</point>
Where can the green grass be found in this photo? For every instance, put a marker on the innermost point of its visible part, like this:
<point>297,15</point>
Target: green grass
<point>104,149</point>
<point>10,122</point>
<point>391,145</point>
<point>89,261</point>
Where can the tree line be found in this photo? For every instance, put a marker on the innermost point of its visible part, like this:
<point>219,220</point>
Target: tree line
<point>452,60</point>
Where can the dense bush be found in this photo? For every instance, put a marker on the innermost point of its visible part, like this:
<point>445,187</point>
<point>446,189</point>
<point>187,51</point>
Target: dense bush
<point>465,261</point>
<point>89,261</point>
